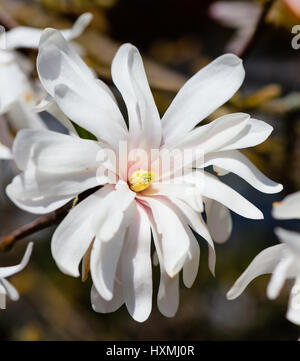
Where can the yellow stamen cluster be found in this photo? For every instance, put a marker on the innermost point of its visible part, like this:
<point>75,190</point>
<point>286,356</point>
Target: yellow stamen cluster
<point>140,180</point>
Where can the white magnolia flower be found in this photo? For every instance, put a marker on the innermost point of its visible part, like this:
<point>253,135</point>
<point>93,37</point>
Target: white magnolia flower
<point>282,260</point>
<point>111,229</point>
<point>17,95</point>
<point>6,288</point>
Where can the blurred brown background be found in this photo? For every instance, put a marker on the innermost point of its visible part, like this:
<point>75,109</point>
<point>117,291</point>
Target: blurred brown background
<point>176,38</point>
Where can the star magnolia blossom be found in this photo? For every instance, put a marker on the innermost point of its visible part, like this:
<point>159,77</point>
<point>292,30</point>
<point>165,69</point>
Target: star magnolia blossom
<point>7,289</point>
<point>282,260</point>
<point>111,229</point>
<point>17,95</point>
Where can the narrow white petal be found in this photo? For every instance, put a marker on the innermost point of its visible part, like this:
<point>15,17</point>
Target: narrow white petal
<point>291,238</point>
<point>5,152</point>
<point>175,240</point>
<point>104,261</point>
<point>253,134</point>
<point>219,220</point>
<point>2,296</point>
<point>78,27</point>
<point>68,79</point>
<point>9,271</point>
<point>293,314</point>
<point>264,262</point>
<point>211,87</point>
<point>136,267</point>
<point>197,223</point>
<point>101,305</point>
<point>168,295</point>
<point>212,136</point>
<point>22,192</point>
<point>214,189</point>
<point>54,152</point>
<point>235,162</point>
<point>28,37</point>
<point>110,222</point>
<point>21,117</point>
<point>289,208</point>
<point>12,79</point>
<point>185,192</point>
<point>74,235</point>
<point>168,292</point>
<point>191,265</point>
<point>11,291</point>
<point>116,208</point>
<point>49,105</point>
<point>57,168</point>
<point>279,275</point>
<point>129,76</point>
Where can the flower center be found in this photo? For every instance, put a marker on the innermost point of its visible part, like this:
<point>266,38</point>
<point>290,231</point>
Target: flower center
<point>140,180</point>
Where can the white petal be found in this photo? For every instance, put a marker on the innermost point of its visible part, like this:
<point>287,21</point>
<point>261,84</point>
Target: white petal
<point>99,304</point>
<point>115,209</point>
<point>168,292</point>
<point>39,204</point>
<point>264,262</point>
<point>68,79</point>
<point>291,238</point>
<point>235,162</point>
<point>54,152</point>
<point>212,136</point>
<point>168,295</point>
<point>49,105</point>
<point>136,267</point>
<point>104,261</point>
<point>279,275</point>
<point>5,153</point>
<point>293,313</point>
<point>185,192</point>
<point>195,220</point>
<point>12,80</point>
<point>214,189</point>
<point>57,167</point>
<point>78,27</point>
<point>2,296</point>
<point>191,265</point>
<point>175,240</point>
<point>75,233</point>
<point>11,291</point>
<point>20,117</point>
<point>211,87</point>
<point>27,37</point>
<point>129,76</point>
<point>219,220</point>
<point>253,134</point>
<point>289,208</point>
<point>9,271</point>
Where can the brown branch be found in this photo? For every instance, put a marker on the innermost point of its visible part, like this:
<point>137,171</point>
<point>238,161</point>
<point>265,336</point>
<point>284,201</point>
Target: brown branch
<point>51,219</point>
<point>259,28</point>
<point>7,21</point>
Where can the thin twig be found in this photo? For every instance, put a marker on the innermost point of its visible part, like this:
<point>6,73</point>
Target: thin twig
<point>259,27</point>
<point>51,219</point>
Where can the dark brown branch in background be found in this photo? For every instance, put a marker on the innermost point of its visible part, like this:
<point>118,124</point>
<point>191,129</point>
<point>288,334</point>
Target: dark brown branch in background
<point>7,21</point>
<point>51,219</point>
<point>259,28</point>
